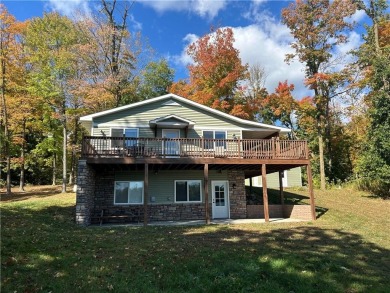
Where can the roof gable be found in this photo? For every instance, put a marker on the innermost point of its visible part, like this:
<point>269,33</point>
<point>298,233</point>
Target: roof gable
<point>175,100</point>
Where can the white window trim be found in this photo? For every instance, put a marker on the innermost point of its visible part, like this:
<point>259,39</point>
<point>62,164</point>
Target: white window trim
<point>127,204</point>
<point>214,131</point>
<point>123,132</point>
<point>187,201</point>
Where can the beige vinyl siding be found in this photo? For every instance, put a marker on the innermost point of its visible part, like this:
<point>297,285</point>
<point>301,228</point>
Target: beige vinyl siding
<point>161,185</point>
<point>143,114</point>
<point>294,179</point>
<point>100,131</point>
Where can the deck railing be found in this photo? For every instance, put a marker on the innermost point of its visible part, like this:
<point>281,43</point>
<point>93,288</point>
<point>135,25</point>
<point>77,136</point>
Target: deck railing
<point>97,146</point>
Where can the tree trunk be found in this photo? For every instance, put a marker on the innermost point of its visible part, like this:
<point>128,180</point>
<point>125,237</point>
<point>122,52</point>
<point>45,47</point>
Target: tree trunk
<point>5,119</point>
<point>328,140</point>
<point>22,156</point>
<point>54,169</point>
<point>64,162</point>
<point>322,164</point>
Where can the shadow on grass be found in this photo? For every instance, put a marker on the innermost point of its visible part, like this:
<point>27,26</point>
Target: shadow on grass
<point>44,251</point>
<point>320,211</point>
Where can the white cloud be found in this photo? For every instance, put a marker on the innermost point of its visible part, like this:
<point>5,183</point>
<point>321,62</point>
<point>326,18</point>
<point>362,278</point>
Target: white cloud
<point>81,8</point>
<point>70,8</point>
<point>266,44</point>
<point>358,16</point>
<point>134,23</point>
<point>204,8</point>
<point>257,45</point>
<point>184,59</point>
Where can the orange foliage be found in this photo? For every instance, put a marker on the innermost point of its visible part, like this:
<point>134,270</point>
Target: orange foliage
<point>215,74</point>
<point>384,34</point>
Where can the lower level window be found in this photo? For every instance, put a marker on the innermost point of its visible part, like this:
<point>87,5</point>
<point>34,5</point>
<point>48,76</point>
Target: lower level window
<point>188,191</point>
<point>129,192</point>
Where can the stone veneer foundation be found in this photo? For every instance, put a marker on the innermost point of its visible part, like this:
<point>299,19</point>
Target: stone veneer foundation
<point>85,193</point>
<point>95,192</point>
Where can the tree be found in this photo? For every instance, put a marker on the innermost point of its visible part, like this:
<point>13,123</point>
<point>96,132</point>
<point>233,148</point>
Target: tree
<point>110,58</point>
<point>15,103</point>
<point>374,59</point>
<point>51,42</point>
<point>282,105</point>
<point>216,72</point>
<point>156,79</point>
<point>251,95</point>
<point>6,38</point>
<point>317,26</point>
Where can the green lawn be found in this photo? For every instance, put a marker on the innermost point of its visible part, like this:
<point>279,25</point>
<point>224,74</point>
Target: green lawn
<point>346,250</point>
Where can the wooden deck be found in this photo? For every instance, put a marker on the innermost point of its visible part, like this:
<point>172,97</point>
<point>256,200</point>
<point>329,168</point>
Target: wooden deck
<point>241,150</point>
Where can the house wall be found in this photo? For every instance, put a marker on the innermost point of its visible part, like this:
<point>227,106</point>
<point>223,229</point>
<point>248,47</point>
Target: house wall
<point>161,205</point>
<point>293,179</point>
<point>139,117</point>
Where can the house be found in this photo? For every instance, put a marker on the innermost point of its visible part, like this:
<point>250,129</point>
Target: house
<point>169,158</point>
<point>290,178</point>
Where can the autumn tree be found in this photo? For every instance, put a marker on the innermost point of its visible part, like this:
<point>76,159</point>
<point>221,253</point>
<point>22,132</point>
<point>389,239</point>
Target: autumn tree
<point>215,73</point>
<point>16,104</point>
<point>111,58</point>
<point>317,27</point>
<point>252,94</point>
<point>6,41</point>
<point>282,106</point>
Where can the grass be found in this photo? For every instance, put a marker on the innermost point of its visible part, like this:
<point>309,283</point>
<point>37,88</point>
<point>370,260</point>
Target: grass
<point>346,250</point>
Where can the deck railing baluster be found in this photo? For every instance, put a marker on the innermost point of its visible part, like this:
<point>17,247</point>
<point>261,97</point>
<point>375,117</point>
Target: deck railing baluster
<point>100,146</point>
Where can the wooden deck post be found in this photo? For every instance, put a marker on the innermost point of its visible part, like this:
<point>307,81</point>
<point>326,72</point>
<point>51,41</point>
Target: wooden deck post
<point>250,185</point>
<point>281,187</point>
<point>206,192</point>
<point>146,194</point>
<point>265,194</point>
<point>311,193</point>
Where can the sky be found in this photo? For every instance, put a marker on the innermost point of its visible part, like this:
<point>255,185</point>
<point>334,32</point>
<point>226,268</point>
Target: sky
<point>170,26</point>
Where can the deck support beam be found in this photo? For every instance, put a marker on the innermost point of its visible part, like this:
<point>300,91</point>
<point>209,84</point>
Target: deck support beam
<point>206,192</point>
<point>146,194</point>
<point>281,173</point>
<point>265,193</point>
<point>311,192</point>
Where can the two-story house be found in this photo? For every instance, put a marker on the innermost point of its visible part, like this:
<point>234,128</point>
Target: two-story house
<point>169,158</point>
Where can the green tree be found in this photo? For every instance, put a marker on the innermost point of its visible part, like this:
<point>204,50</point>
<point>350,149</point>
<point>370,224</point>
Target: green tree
<point>374,58</point>
<point>51,46</point>
<point>156,79</point>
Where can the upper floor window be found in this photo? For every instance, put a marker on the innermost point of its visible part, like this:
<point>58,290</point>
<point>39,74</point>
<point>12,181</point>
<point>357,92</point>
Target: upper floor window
<point>130,133</point>
<point>218,136</point>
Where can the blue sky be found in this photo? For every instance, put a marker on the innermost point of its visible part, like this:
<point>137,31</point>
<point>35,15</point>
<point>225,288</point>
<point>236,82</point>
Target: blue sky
<point>171,25</point>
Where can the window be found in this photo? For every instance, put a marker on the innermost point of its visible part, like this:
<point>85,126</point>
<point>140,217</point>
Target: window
<point>219,135</point>
<point>188,191</point>
<point>128,133</point>
<point>129,192</point>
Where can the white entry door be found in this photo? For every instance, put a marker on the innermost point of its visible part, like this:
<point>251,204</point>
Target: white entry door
<point>220,194</point>
<point>171,148</point>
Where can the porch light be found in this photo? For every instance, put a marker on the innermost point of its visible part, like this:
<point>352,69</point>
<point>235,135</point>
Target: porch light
<point>234,185</point>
